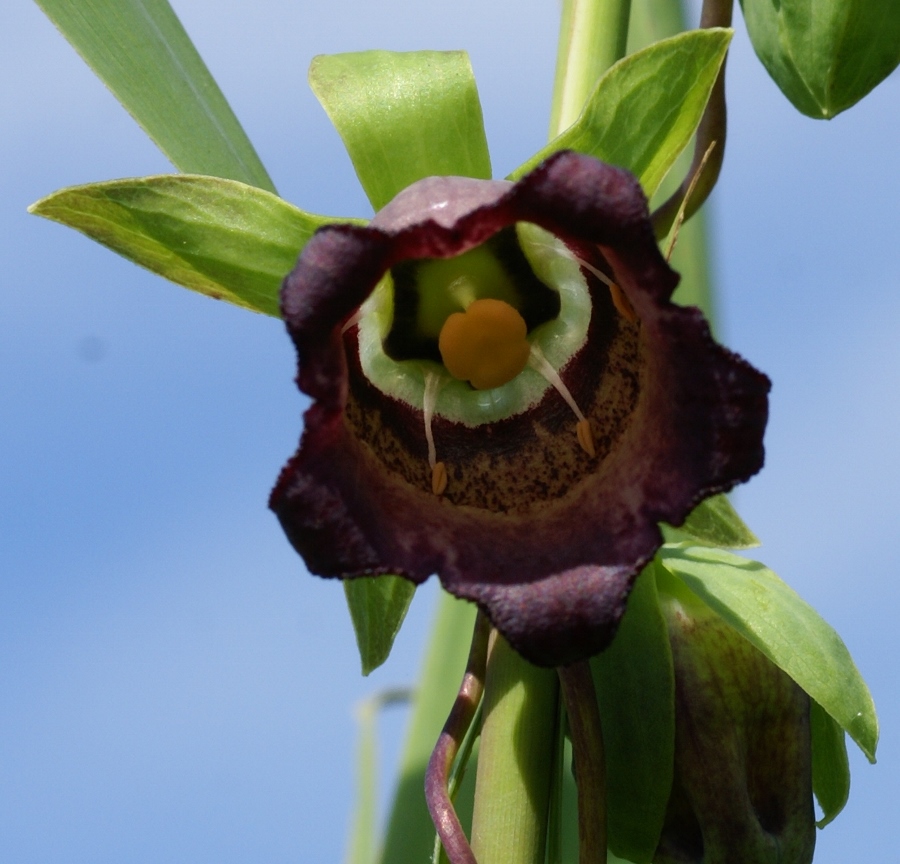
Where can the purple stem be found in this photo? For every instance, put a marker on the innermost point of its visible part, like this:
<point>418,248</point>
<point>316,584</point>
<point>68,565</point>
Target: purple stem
<point>443,814</point>
<point>716,13</point>
<point>580,698</point>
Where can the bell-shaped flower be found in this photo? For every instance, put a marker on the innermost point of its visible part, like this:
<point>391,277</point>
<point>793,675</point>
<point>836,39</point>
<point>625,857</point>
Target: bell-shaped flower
<point>504,395</point>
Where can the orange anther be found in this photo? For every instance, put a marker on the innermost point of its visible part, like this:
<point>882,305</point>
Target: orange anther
<point>486,345</point>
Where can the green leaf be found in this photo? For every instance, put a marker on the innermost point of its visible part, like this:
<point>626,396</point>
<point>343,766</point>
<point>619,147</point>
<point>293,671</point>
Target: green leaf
<point>141,52</point>
<point>636,693</point>
<point>645,109</point>
<point>364,831</point>
<point>774,618</point>
<point>403,117</point>
<point>830,766</point>
<point>825,55</point>
<point>713,522</point>
<point>378,606</point>
<point>222,238</point>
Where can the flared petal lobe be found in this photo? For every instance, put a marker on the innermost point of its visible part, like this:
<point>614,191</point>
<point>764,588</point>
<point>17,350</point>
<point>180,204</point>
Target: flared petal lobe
<point>543,535</point>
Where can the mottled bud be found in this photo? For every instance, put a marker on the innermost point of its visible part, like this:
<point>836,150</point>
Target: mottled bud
<point>742,792</point>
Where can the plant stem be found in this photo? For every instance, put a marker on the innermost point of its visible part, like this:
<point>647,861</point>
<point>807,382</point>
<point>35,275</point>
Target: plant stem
<point>592,36</point>
<point>512,788</point>
<point>410,833</point>
<point>713,126</point>
<point>437,777</point>
<point>590,765</point>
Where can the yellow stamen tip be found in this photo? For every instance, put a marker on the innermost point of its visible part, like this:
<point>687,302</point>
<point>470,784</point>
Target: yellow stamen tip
<point>622,304</point>
<point>586,437</point>
<point>486,345</point>
<point>438,478</point>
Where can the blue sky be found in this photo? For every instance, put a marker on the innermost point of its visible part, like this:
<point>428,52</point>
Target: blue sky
<point>173,685</point>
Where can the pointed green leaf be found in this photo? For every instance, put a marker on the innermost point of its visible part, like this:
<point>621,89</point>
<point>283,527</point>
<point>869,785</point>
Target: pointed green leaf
<point>403,117</point>
<point>830,766</point>
<point>222,238</point>
<point>713,522</point>
<point>635,679</point>
<point>378,605</point>
<point>774,618</point>
<point>645,109</point>
<point>141,52</point>
<point>825,55</point>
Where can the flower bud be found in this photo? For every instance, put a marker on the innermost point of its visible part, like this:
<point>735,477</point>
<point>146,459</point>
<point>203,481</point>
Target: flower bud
<point>825,55</point>
<point>742,791</point>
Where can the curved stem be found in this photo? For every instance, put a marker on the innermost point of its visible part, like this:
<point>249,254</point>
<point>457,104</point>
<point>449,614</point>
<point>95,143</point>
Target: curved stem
<point>410,831</point>
<point>592,36</point>
<point>712,128</point>
<point>590,764</point>
<point>437,794</point>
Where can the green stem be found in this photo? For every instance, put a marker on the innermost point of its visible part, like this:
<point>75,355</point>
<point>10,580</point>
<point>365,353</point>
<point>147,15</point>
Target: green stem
<point>592,36</point>
<point>512,787</point>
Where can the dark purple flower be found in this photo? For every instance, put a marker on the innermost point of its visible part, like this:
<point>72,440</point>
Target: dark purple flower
<point>537,500</point>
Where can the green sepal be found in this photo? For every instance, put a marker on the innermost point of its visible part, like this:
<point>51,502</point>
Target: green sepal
<point>825,55</point>
<point>222,238</point>
<point>830,765</point>
<point>139,49</point>
<point>645,109</point>
<point>635,684</point>
<point>713,522</point>
<point>786,629</point>
<point>403,116</point>
<point>378,605</point>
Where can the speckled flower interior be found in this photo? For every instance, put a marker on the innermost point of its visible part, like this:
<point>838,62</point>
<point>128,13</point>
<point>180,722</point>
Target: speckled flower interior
<point>539,498</point>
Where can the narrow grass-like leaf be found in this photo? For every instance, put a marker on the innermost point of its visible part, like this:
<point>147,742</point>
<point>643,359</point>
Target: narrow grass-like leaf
<point>636,693</point>
<point>378,605</point>
<point>830,766</point>
<point>222,238</point>
<point>645,109</point>
<point>774,618</point>
<point>141,52</point>
<point>403,117</point>
<point>713,522</point>
<point>364,839</point>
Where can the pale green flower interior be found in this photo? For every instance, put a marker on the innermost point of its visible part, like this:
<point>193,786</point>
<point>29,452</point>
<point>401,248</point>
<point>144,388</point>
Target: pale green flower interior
<point>558,340</point>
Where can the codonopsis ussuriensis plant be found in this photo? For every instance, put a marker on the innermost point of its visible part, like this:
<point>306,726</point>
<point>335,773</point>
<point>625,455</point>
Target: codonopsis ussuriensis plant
<point>505,395</point>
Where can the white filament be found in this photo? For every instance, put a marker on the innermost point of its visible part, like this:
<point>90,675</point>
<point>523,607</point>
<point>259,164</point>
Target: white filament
<point>353,319</point>
<point>429,400</point>
<point>538,362</point>
<point>581,263</point>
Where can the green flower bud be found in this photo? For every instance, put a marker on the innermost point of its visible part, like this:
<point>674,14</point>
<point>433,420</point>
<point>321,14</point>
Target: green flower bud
<point>825,55</point>
<point>742,790</point>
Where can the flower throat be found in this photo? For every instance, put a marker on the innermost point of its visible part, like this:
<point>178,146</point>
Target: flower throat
<point>471,313</point>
